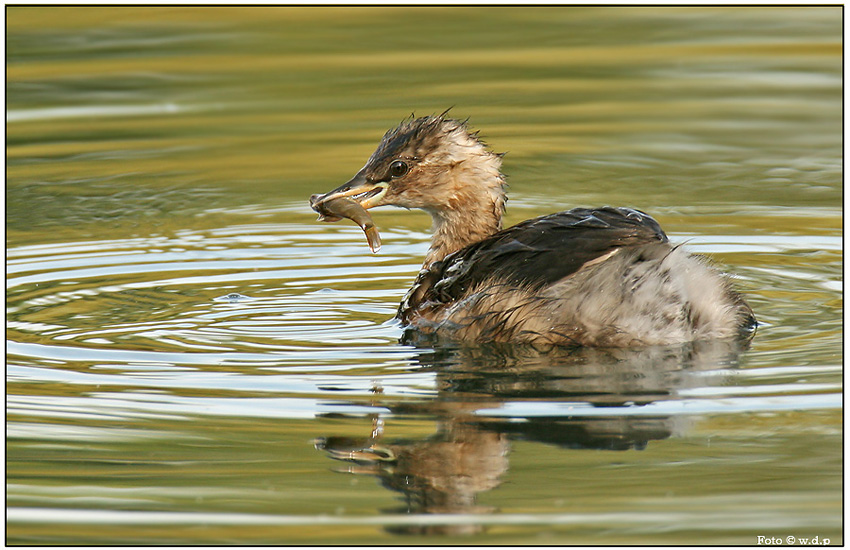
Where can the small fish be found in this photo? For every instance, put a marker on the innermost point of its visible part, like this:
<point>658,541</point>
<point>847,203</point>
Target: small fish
<point>335,209</point>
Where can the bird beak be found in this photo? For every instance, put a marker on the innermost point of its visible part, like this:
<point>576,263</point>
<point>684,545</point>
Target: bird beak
<point>367,194</point>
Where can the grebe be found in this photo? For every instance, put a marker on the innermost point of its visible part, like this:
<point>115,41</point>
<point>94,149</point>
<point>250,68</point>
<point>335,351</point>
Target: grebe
<point>604,277</point>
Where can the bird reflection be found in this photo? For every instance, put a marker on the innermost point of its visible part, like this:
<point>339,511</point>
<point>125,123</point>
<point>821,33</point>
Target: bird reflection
<point>468,453</point>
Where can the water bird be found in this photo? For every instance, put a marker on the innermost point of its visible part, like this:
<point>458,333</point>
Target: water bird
<point>602,277</point>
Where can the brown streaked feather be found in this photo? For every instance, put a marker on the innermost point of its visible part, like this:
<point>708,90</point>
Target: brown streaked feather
<point>533,254</point>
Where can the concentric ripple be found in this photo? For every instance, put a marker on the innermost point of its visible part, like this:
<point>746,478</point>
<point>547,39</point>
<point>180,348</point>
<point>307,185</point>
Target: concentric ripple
<point>165,299</point>
<point>231,308</point>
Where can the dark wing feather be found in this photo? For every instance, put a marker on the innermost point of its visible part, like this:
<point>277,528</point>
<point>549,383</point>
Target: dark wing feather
<point>534,253</point>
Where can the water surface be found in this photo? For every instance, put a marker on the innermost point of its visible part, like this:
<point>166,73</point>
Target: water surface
<point>193,359</point>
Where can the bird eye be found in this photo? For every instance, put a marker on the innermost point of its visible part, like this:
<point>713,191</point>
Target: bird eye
<point>398,168</point>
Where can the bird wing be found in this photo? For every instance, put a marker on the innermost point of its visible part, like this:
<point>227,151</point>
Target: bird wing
<point>535,253</point>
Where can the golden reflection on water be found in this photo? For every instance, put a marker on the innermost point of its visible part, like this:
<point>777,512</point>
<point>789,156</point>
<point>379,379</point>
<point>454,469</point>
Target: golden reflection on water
<point>160,158</point>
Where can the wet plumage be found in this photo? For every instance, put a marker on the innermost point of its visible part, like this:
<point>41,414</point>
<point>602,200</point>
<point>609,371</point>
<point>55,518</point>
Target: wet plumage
<point>592,277</point>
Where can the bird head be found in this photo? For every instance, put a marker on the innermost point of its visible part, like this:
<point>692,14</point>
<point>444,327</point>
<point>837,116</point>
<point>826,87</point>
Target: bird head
<point>433,163</point>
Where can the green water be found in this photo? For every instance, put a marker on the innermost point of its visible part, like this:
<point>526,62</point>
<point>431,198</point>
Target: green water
<point>159,159</point>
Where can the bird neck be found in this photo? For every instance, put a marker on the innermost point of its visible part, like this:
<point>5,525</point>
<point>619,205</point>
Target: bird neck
<point>475,212</point>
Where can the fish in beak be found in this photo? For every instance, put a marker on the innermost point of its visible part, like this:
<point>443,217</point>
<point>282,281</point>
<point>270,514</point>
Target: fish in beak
<point>367,194</point>
<point>351,200</point>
